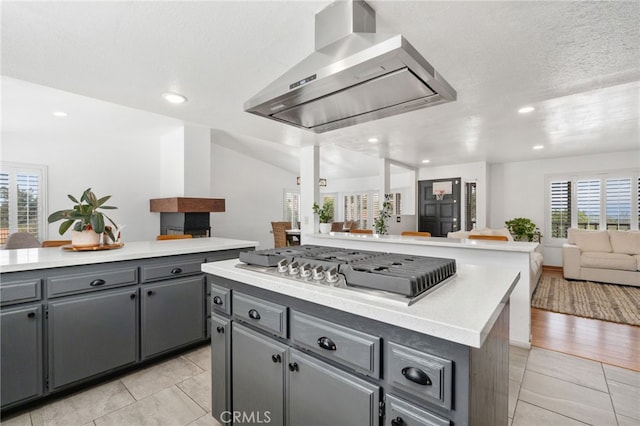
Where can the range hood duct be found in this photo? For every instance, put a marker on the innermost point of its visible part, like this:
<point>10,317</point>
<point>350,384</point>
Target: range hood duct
<point>355,75</point>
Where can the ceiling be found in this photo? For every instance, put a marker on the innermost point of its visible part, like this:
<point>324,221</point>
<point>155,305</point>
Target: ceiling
<point>577,63</point>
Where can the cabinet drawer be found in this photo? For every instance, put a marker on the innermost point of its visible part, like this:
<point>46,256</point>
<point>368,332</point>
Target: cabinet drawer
<point>220,299</point>
<point>19,291</point>
<point>69,284</point>
<point>421,375</point>
<point>268,316</point>
<point>350,347</point>
<point>401,413</point>
<point>172,268</point>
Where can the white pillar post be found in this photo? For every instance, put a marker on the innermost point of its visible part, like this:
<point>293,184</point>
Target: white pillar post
<point>309,189</point>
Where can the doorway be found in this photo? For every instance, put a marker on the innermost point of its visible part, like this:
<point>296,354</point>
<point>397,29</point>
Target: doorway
<point>439,206</point>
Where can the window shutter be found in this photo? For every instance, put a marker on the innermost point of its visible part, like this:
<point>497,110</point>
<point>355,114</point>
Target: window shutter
<point>618,203</point>
<point>560,208</point>
<point>292,208</point>
<point>27,202</point>
<point>4,207</point>
<point>588,203</point>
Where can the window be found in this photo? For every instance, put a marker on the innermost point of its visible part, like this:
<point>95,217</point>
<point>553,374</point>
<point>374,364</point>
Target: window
<point>22,193</point>
<point>356,208</point>
<point>604,201</point>
<point>292,207</point>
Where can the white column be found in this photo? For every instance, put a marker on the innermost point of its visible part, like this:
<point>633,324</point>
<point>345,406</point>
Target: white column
<point>309,190</point>
<point>197,161</point>
<point>385,178</point>
<point>172,164</point>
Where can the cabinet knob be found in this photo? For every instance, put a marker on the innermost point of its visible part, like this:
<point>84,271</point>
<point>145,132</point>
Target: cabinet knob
<point>276,358</point>
<point>253,314</point>
<point>397,422</point>
<point>416,376</point>
<point>220,329</point>
<point>217,300</point>
<point>133,296</point>
<point>293,366</point>
<point>97,282</point>
<point>149,292</point>
<point>176,271</point>
<point>31,315</point>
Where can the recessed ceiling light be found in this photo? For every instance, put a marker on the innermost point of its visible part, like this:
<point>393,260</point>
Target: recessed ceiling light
<point>426,161</point>
<point>174,98</point>
<point>538,146</point>
<point>525,110</point>
<point>59,113</point>
<point>373,140</point>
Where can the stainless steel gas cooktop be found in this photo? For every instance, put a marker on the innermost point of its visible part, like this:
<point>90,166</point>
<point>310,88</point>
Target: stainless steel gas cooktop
<point>399,277</point>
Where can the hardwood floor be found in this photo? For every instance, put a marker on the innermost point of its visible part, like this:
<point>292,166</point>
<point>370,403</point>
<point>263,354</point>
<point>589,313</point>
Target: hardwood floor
<point>607,342</point>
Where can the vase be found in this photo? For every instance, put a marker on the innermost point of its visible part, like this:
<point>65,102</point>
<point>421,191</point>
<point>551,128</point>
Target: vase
<point>325,228</point>
<point>85,238</point>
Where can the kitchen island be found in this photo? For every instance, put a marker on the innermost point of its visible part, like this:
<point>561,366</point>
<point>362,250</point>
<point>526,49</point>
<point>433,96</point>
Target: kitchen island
<point>523,256</point>
<point>314,354</point>
<point>68,317</point>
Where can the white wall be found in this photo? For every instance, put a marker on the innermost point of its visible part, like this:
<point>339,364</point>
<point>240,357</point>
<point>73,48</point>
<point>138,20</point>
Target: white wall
<point>518,188</point>
<point>254,195</point>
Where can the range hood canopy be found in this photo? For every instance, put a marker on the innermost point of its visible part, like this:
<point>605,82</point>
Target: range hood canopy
<point>355,75</point>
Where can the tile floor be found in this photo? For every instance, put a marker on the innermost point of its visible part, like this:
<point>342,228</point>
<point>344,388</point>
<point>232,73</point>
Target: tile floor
<point>545,388</point>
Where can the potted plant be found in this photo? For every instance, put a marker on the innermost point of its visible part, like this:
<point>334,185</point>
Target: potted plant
<point>88,222</point>
<point>325,215</point>
<point>380,224</point>
<point>523,229</point>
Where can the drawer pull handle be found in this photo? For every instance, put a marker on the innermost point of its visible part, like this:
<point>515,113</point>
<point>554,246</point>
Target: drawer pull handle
<point>220,329</point>
<point>326,343</point>
<point>293,366</point>
<point>31,314</point>
<point>416,376</point>
<point>97,282</point>
<point>253,314</point>
<point>397,422</point>
<point>176,271</point>
<point>217,300</point>
<point>276,358</point>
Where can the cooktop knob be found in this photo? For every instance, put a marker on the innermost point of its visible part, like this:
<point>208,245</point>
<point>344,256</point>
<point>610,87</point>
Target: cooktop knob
<point>305,270</point>
<point>294,268</point>
<point>332,275</point>
<point>282,265</point>
<point>317,272</point>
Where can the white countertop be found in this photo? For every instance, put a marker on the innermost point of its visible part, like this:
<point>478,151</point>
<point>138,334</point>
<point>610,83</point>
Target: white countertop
<point>462,310</point>
<point>520,246</point>
<point>56,257</point>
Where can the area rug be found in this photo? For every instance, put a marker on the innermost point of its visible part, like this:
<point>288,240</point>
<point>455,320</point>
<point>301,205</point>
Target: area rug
<point>608,302</point>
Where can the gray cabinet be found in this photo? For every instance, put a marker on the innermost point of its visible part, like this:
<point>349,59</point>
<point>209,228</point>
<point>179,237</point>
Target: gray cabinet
<point>323,395</point>
<point>173,314</point>
<point>21,351</point>
<point>258,375</point>
<point>91,334</point>
<point>220,365</point>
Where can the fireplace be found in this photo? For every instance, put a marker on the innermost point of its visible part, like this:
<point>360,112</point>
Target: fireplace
<point>185,215</point>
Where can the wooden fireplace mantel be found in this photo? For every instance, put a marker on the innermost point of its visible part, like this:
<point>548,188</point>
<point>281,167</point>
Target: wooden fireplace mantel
<point>187,205</point>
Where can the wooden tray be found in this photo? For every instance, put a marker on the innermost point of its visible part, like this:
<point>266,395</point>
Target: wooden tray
<point>71,247</point>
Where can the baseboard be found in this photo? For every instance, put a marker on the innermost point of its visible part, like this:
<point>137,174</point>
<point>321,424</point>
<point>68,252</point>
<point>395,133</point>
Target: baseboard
<point>552,268</point>
<point>520,344</point>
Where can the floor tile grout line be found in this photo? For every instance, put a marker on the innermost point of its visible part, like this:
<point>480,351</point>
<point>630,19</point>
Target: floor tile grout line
<point>555,412</point>
<point>194,401</point>
<point>567,381</point>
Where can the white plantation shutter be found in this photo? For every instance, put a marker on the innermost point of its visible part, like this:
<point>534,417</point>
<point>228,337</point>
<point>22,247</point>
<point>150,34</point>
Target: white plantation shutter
<point>22,190</point>
<point>588,203</point>
<point>291,207</point>
<point>618,202</point>
<point>560,208</point>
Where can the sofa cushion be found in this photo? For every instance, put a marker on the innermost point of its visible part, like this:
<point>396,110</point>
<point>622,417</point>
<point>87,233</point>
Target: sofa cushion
<point>590,240</point>
<point>489,231</point>
<point>637,257</point>
<point>458,234</point>
<point>623,262</point>
<point>627,242</point>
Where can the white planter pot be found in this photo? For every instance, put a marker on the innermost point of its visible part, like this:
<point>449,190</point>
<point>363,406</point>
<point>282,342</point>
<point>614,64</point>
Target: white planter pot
<point>85,238</point>
<point>325,228</point>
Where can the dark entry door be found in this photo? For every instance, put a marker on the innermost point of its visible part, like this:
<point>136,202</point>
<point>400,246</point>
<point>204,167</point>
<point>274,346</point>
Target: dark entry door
<point>439,216</point>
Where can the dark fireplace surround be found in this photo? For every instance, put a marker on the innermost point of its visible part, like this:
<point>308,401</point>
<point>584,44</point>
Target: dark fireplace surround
<point>186,215</point>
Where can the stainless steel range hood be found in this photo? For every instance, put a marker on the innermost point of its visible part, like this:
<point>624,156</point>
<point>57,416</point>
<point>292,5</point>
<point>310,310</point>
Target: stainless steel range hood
<point>354,76</point>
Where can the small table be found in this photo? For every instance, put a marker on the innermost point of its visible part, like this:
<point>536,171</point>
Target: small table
<point>293,237</point>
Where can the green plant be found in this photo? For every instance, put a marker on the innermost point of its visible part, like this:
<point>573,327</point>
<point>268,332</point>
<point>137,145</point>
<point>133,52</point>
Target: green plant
<point>85,215</point>
<point>380,224</point>
<point>325,213</point>
<point>523,229</point>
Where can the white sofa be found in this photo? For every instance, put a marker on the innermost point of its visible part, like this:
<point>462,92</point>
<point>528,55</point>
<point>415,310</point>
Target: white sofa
<point>535,260</point>
<point>603,256</point>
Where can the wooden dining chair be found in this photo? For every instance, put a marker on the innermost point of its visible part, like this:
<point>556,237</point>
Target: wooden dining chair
<point>415,234</point>
<point>488,237</point>
<point>55,243</point>
<point>280,233</point>
<point>337,226</point>
<point>174,237</point>
<point>361,231</point>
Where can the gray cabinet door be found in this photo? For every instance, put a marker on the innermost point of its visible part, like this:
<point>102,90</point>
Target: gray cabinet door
<point>220,366</point>
<point>21,353</point>
<point>322,395</point>
<point>91,334</point>
<point>172,314</point>
<point>258,373</point>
